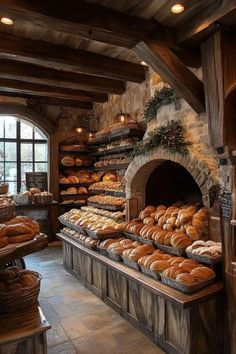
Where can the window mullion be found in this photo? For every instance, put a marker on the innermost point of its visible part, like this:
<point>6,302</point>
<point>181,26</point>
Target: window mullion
<point>18,157</point>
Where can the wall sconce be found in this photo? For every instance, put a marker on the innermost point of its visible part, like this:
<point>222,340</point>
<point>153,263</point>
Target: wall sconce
<point>79,130</point>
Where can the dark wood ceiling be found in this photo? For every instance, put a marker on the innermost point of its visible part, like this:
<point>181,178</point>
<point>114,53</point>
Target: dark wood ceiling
<point>81,51</point>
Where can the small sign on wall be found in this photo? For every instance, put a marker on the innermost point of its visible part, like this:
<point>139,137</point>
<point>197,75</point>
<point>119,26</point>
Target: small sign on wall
<point>37,179</point>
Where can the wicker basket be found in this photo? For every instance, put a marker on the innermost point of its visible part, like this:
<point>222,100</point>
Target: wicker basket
<point>146,241</point>
<point>14,300</point>
<point>23,199</point>
<point>169,249</point>
<point>132,236</point>
<point>113,256</point>
<point>205,259</point>
<point>149,272</point>
<point>43,199</point>
<point>188,289</point>
<point>4,188</point>
<point>131,264</point>
<point>7,211</point>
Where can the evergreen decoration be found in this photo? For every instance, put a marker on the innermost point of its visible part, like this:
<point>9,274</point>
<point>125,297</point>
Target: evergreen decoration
<point>161,97</point>
<point>170,137</point>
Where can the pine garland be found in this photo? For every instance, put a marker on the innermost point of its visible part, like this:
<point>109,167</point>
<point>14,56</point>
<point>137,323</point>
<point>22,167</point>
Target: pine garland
<point>170,137</point>
<point>161,97</point>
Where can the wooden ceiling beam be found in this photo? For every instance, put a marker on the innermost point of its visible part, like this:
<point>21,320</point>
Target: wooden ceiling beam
<point>201,23</point>
<point>63,58</point>
<point>50,100</point>
<point>48,91</point>
<point>46,76</point>
<point>171,69</point>
<point>87,20</point>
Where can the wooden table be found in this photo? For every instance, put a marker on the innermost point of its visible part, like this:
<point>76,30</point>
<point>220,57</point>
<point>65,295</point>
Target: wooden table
<point>24,332</point>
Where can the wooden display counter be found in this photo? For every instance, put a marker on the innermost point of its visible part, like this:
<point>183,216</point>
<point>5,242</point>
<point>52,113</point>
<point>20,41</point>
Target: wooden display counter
<point>178,323</point>
<point>24,332</point>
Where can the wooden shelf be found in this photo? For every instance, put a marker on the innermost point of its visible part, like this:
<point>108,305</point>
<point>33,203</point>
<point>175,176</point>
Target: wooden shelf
<point>112,167</point>
<point>18,250</point>
<point>128,133</point>
<point>68,185</point>
<point>117,150</point>
<point>72,205</point>
<point>155,286</point>
<point>22,324</point>
<point>105,207</point>
<point>111,193</point>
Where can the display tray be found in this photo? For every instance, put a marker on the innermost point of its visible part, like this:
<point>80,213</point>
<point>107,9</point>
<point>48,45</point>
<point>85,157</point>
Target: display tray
<point>111,167</point>
<point>126,133</point>
<point>75,152</point>
<point>169,249</point>
<point>77,239</point>
<point>114,151</point>
<point>72,226</point>
<point>204,259</point>
<point>188,289</point>
<point>111,193</point>
<point>76,195</point>
<point>146,241</point>
<point>104,206</point>
<point>131,264</point>
<point>114,256</point>
<point>132,236</point>
<point>104,236</point>
<point>103,251</point>
<point>76,168</point>
<point>18,250</point>
<point>68,185</point>
<point>149,272</point>
<point>72,205</point>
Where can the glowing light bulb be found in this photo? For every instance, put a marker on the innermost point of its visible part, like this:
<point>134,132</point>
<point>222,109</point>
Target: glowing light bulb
<point>7,21</point>
<point>177,8</point>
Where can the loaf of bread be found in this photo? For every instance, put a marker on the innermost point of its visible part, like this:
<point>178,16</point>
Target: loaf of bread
<point>68,161</point>
<point>202,273</point>
<point>186,279</point>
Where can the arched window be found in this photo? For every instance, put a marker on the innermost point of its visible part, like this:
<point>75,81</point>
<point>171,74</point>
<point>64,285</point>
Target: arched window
<point>23,148</point>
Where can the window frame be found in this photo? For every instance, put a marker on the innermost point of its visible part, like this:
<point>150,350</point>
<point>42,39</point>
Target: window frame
<point>18,142</point>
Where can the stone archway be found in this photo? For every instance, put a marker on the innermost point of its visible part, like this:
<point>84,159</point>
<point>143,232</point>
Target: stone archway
<point>142,167</point>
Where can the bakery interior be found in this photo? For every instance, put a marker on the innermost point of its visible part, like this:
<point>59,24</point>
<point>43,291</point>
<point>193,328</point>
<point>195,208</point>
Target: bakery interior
<point>117,177</point>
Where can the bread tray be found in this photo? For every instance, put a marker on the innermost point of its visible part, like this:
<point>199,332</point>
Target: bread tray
<point>113,256</point>
<point>186,288</point>
<point>132,236</point>
<point>73,226</point>
<point>105,206</point>
<point>145,240</point>
<point>77,239</point>
<point>150,273</point>
<point>103,251</point>
<point>170,249</point>
<point>131,264</point>
<point>205,259</point>
<point>93,234</point>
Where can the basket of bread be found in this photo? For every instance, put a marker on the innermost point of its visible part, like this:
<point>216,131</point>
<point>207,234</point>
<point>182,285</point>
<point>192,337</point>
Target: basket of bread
<point>155,263</point>
<point>43,197</point>
<point>116,249</point>
<point>188,277</point>
<point>172,229</point>
<point>7,207</point>
<point>208,252</point>
<point>23,198</point>
<point>131,256</point>
<point>107,202</point>
<point>86,241</point>
<point>19,289</point>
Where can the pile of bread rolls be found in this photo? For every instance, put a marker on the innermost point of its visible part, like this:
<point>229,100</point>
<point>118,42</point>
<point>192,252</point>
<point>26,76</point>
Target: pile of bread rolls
<point>81,177</point>
<point>118,246</point>
<point>177,226</point>
<point>5,202</point>
<point>207,249</point>
<point>118,216</point>
<point>117,144</point>
<point>85,240</point>
<point>74,190</point>
<point>71,161</point>
<point>108,200</point>
<point>13,279</point>
<point>106,186</point>
<point>17,230</point>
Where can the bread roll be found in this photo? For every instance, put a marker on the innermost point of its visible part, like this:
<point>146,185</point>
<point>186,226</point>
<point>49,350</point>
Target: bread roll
<point>160,236</point>
<point>3,241</point>
<point>192,233</point>
<point>21,238</point>
<point>68,161</point>
<point>161,207</point>
<point>197,222</point>
<point>150,209</point>
<point>167,238</point>
<point>148,221</point>
<point>176,261</point>
<point>159,213</point>
<point>159,266</point>
<point>27,280</point>
<point>172,272</point>
<point>180,241</point>
<point>7,275</point>
<point>202,273</point>
<point>188,264</point>
<point>198,244</point>
<point>186,279</point>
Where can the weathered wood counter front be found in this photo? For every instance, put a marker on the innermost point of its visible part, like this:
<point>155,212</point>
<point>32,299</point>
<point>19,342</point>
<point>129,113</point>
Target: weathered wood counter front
<point>178,323</point>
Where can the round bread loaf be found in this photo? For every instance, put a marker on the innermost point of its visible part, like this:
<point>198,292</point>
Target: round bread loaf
<point>150,208</point>
<point>148,221</point>
<point>68,161</point>
<point>192,233</point>
<point>27,280</point>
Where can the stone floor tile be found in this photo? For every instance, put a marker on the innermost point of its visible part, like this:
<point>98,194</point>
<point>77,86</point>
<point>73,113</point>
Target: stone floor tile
<point>65,348</point>
<point>74,327</point>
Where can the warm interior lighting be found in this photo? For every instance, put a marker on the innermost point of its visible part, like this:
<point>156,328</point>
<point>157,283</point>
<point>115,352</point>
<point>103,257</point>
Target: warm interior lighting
<point>177,8</point>
<point>143,63</point>
<point>6,21</point>
<point>122,118</point>
<point>79,130</point>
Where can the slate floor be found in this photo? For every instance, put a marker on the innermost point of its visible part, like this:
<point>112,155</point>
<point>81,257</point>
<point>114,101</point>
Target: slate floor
<point>81,323</point>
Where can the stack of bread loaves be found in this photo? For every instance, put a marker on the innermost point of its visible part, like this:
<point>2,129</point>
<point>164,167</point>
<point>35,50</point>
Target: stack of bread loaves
<point>19,229</point>
<point>176,226</point>
<point>12,279</point>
